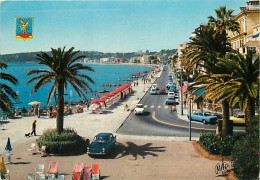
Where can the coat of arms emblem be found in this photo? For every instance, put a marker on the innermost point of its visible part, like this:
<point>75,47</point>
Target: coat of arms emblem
<point>24,28</point>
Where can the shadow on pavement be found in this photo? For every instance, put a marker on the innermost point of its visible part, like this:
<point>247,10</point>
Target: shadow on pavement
<point>132,149</point>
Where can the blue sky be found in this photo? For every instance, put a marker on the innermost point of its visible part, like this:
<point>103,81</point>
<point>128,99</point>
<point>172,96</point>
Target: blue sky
<point>107,26</point>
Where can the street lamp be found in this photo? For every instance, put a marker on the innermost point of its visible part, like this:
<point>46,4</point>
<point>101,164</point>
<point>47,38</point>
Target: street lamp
<point>190,118</point>
<point>181,95</point>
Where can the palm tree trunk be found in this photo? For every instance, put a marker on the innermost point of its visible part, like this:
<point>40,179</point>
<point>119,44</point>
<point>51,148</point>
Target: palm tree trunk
<point>226,124</point>
<point>60,107</point>
<point>250,111</point>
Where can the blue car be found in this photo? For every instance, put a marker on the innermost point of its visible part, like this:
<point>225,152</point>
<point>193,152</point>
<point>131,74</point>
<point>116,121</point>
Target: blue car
<point>153,91</point>
<point>203,116</point>
<point>170,101</point>
<point>172,89</point>
<point>102,144</point>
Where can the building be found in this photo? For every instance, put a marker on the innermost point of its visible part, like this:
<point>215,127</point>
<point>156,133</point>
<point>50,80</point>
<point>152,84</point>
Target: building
<point>248,36</point>
<point>181,47</point>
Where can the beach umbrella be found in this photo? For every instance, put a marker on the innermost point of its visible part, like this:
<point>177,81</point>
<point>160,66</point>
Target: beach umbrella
<point>34,103</point>
<point>2,166</point>
<point>8,146</point>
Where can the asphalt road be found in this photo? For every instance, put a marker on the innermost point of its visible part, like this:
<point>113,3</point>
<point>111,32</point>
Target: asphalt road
<point>159,120</point>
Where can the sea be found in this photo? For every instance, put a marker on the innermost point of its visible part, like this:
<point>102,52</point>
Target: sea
<point>104,74</point>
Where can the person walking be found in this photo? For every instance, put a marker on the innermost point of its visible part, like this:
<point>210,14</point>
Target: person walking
<point>33,128</point>
<point>126,107</point>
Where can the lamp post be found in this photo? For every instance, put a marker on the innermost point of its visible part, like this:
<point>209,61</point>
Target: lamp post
<point>181,95</point>
<point>190,118</point>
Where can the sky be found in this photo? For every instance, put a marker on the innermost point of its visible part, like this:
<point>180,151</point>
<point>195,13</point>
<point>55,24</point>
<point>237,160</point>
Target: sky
<point>106,26</point>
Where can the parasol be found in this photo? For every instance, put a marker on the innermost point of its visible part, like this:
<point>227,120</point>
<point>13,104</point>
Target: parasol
<point>2,166</point>
<point>34,103</point>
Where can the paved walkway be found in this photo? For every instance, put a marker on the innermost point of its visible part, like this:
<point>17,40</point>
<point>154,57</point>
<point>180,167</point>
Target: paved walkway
<point>137,157</point>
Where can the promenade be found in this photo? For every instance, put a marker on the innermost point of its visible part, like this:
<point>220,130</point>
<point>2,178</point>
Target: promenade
<point>135,157</point>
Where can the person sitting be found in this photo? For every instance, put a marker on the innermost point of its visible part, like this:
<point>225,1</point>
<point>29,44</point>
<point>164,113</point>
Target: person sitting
<point>30,111</point>
<point>23,111</point>
<point>66,110</point>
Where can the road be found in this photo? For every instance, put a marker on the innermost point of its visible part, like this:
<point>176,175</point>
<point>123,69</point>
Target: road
<point>159,120</point>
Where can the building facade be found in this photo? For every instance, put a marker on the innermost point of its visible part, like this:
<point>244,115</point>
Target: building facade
<point>248,36</point>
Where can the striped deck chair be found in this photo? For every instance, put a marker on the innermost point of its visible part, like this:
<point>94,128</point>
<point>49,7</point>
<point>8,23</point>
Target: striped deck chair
<point>53,168</point>
<point>77,171</point>
<point>95,172</point>
<point>87,173</point>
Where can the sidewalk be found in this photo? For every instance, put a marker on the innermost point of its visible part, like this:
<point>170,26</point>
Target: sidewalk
<point>135,157</point>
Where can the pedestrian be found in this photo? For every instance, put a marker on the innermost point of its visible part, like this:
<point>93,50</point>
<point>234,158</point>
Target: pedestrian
<point>134,83</point>
<point>33,128</point>
<point>171,108</point>
<point>137,83</point>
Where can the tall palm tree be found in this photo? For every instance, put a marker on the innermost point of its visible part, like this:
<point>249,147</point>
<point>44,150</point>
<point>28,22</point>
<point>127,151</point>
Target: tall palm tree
<point>243,82</point>
<point>6,92</point>
<point>63,70</point>
<point>224,20</point>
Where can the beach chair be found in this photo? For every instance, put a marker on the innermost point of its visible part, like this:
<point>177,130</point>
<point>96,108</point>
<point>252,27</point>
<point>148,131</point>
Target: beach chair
<point>87,173</point>
<point>95,172</point>
<point>60,177</point>
<point>40,169</point>
<point>41,177</point>
<point>53,168</point>
<point>51,177</point>
<point>77,171</point>
<point>30,176</point>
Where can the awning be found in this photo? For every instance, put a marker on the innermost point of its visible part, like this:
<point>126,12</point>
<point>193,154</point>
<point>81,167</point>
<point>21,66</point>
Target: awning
<point>199,92</point>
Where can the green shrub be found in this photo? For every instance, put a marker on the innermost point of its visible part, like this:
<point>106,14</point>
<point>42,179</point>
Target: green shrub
<point>67,142</point>
<point>245,155</point>
<point>217,144</point>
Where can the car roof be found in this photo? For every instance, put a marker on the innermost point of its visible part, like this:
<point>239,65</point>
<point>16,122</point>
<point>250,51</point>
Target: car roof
<point>103,134</point>
<point>139,104</point>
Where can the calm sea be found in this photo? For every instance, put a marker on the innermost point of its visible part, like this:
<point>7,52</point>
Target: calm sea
<point>104,74</point>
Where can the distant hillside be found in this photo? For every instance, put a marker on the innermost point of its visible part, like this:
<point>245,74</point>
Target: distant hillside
<point>30,57</point>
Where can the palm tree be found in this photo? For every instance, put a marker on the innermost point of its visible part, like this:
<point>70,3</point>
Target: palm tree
<point>243,82</point>
<point>224,20</point>
<point>6,92</point>
<point>63,70</point>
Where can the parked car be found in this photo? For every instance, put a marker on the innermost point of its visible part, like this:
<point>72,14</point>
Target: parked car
<point>102,144</point>
<point>153,91</point>
<point>170,100</point>
<point>139,109</point>
<point>171,94</point>
<point>172,89</point>
<point>155,86</point>
<point>162,91</point>
<point>238,119</point>
<point>203,116</point>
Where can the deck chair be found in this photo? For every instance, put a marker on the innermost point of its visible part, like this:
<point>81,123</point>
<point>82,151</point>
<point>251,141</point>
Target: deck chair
<point>41,177</point>
<point>87,173</point>
<point>51,176</point>
<point>30,176</point>
<point>40,169</point>
<point>77,171</point>
<point>60,177</point>
<point>53,168</point>
<point>95,172</point>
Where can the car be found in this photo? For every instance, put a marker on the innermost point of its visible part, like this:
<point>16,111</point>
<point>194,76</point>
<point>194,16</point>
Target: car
<point>170,100</point>
<point>102,144</point>
<point>153,91</point>
<point>203,116</point>
<point>172,89</point>
<point>162,91</point>
<point>155,86</point>
<point>169,85</point>
<point>171,94</point>
<point>238,119</point>
<point>176,95</point>
<point>139,109</point>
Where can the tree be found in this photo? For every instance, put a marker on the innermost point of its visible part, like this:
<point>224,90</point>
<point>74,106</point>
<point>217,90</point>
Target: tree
<point>63,70</point>
<point>242,85</point>
<point>6,92</point>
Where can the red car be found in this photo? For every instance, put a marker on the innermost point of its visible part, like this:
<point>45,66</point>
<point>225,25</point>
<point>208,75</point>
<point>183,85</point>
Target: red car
<point>162,91</point>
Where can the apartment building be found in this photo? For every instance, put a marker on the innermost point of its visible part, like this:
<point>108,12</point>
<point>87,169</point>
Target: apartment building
<point>248,36</point>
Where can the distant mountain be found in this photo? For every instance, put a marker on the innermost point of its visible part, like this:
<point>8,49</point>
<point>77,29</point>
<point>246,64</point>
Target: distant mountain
<point>93,55</point>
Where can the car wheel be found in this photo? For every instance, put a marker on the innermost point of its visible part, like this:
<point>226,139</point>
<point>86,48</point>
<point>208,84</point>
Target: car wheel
<point>203,121</point>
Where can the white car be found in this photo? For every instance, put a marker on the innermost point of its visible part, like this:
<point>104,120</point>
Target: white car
<point>139,109</point>
<point>171,94</point>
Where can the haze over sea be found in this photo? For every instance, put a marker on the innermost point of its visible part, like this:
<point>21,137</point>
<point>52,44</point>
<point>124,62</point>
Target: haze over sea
<point>104,74</point>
